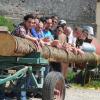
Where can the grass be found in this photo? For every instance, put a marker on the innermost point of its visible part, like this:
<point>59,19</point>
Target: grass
<point>91,85</point>
<point>6,22</point>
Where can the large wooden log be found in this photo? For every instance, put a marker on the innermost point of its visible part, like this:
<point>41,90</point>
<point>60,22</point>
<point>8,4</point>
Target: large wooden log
<point>12,45</point>
<point>57,55</point>
<point>15,46</point>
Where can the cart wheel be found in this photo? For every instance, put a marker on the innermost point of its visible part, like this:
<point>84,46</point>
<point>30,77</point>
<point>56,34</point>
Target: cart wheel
<point>54,87</point>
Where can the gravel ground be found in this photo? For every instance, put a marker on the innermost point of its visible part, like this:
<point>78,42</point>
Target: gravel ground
<point>80,94</point>
<point>77,94</point>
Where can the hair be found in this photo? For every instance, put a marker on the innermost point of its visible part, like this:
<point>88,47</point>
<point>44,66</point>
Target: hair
<point>63,25</point>
<point>77,28</point>
<point>28,16</point>
<point>85,31</point>
<point>59,26</point>
<point>43,19</point>
<point>54,17</point>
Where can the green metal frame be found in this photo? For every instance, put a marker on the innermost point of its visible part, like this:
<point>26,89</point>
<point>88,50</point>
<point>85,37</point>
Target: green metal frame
<point>23,65</point>
<point>17,75</point>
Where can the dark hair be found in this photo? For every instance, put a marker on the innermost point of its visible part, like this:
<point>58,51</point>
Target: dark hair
<point>63,25</point>
<point>85,31</point>
<point>54,17</point>
<point>77,28</point>
<point>59,26</point>
<point>43,19</point>
<point>28,16</point>
<point>47,18</point>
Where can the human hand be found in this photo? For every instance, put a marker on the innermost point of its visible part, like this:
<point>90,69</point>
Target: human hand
<point>56,43</point>
<point>46,39</point>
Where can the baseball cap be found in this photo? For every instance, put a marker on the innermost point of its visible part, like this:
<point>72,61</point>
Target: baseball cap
<point>89,29</point>
<point>62,22</point>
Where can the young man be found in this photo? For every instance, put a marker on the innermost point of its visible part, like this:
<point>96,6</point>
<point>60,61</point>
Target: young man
<point>23,30</point>
<point>54,24</point>
<point>37,31</point>
<point>47,26</point>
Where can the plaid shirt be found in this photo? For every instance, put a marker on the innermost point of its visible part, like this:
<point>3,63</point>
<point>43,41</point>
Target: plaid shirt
<point>21,31</point>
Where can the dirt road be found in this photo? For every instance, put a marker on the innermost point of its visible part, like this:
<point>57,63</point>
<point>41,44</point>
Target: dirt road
<point>80,94</point>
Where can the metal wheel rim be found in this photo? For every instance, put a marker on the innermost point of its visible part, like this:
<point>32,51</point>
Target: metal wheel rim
<point>58,90</point>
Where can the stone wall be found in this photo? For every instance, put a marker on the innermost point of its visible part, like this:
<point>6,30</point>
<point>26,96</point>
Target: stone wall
<point>76,10</point>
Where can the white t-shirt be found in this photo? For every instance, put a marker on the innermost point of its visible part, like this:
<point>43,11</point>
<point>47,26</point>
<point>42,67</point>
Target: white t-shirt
<point>71,38</point>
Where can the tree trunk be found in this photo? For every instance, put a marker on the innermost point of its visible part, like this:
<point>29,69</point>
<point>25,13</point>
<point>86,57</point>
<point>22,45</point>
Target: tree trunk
<point>16,46</point>
<point>12,45</point>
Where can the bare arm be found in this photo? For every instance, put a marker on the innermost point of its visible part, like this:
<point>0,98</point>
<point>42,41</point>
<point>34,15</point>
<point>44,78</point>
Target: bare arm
<point>33,39</point>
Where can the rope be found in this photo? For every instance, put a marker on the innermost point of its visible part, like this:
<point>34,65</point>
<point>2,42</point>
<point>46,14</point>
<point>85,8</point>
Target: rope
<point>49,52</point>
<point>97,58</point>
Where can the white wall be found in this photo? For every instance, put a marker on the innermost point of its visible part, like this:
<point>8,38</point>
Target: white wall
<point>98,20</point>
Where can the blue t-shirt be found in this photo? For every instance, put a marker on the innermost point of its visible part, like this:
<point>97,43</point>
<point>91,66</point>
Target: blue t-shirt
<point>47,34</point>
<point>36,34</point>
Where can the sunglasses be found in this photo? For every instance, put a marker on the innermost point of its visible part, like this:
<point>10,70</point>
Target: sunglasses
<point>54,21</point>
<point>60,30</point>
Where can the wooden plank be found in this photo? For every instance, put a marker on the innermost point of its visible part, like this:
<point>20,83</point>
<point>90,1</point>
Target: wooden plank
<point>4,29</point>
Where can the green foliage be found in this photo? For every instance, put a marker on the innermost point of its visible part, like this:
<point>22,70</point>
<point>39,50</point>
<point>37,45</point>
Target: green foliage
<point>93,84</point>
<point>6,22</point>
<point>70,76</point>
<point>90,85</point>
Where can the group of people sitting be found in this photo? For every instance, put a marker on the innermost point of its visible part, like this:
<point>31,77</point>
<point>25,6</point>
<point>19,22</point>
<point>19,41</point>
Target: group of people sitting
<point>54,32</point>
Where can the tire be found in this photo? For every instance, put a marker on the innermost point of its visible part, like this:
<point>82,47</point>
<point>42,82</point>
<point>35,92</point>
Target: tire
<point>53,81</point>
